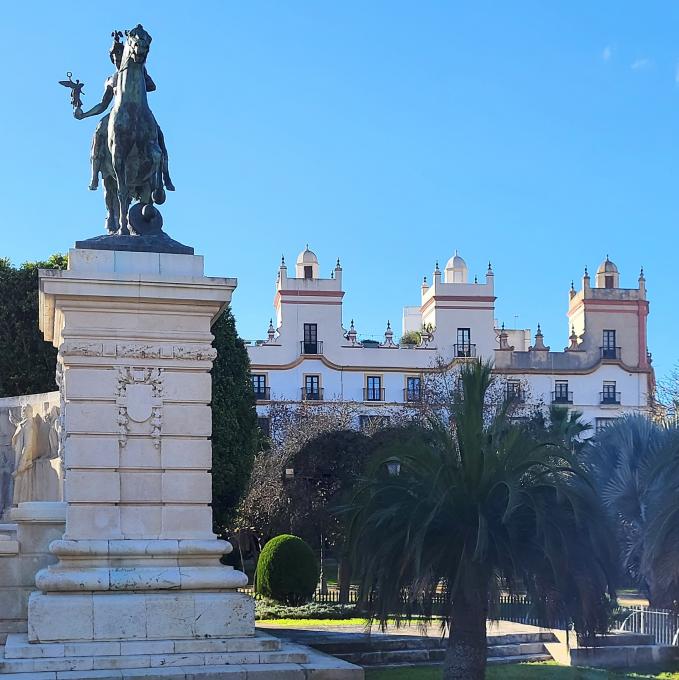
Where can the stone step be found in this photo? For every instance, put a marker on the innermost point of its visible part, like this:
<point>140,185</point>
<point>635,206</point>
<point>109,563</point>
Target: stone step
<point>18,647</point>
<point>491,661</point>
<point>317,669</point>
<point>344,644</point>
<point>498,653</point>
<point>151,661</point>
<point>525,648</point>
<point>291,662</point>
<point>522,658</point>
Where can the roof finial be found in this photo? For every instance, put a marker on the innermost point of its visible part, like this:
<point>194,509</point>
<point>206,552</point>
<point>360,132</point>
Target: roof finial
<point>476,279</point>
<point>641,273</point>
<point>572,285</point>
<point>586,272</point>
<point>338,266</point>
<point>282,260</point>
<point>307,246</point>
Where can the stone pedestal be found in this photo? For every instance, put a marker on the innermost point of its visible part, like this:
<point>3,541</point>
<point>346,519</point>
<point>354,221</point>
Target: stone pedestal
<point>138,589</point>
<point>138,559</point>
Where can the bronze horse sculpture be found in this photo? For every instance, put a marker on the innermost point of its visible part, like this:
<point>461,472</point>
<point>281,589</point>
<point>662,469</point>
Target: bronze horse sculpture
<point>128,146</point>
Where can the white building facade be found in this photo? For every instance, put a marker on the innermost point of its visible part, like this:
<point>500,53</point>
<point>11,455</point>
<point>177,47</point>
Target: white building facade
<point>604,372</point>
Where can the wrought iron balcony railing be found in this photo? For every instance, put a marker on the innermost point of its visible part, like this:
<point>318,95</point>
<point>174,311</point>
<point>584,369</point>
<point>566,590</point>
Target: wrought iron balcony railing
<point>373,394</point>
<point>312,395</point>
<point>466,350</point>
<point>562,397</point>
<point>412,395</point>
<point>311,347</point>
<point>610,397</point>
<point>610,352</point>
<point>262,393</point>
<point>515,393</point>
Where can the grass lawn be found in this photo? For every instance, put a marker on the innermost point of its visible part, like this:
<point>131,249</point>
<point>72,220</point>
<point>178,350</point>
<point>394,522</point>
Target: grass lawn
<point>312,623</point>
<point>529,671</point>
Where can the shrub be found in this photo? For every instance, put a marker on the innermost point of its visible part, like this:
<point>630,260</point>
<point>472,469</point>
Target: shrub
<point>411,338</point>
<point>287,571</point>
<point>268,609</point>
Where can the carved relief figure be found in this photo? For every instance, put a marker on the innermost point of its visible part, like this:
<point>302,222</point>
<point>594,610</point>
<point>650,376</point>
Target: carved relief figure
<point>36,476</point>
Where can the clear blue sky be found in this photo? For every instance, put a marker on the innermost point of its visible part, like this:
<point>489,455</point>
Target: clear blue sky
<point>540,135</point>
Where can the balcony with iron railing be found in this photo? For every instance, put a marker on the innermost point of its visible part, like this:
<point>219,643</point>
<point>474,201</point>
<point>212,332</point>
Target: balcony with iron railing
<point>412,395</point>
<point>311,347</point>
<point>373,394</point>
<point>515,393</point>
<point>609,397</point>
<point>312,394</point>
<point>611,353</point>
<point>262,393</point>
<point>562,397</point>
<point>464,350</point>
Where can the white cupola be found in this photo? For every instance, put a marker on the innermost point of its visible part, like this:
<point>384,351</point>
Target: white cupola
<point>307,265</point>
<point>456,270</point>
<point>607,275</point>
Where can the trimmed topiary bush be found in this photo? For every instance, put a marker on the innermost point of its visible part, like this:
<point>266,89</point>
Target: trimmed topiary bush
<point>287,571</point>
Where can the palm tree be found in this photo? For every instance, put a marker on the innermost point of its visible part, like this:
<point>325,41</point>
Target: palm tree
<point>479,505</point>
<point>635,464</point>
<point>566,425</point>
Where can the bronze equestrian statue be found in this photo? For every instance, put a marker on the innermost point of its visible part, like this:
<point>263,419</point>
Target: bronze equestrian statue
<point>128,147</point>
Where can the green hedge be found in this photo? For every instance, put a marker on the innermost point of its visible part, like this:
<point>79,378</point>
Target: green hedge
<point>287,571</point>
<point>268,609</point>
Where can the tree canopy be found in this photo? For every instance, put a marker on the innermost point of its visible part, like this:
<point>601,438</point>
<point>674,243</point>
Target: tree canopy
<point>235,435</point>
<point>480,504</point>
<point>27,362</point>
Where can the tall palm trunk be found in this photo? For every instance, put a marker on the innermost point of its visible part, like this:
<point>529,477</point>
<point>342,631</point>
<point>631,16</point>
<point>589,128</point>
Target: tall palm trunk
<point>467,650</point>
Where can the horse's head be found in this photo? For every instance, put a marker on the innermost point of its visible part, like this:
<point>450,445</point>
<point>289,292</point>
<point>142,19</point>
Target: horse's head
<point>138,44</point>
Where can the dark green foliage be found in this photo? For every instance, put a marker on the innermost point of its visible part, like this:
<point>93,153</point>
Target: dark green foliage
<point>481,504</point>
<point>326,470</point>
<point>411,338</point>
<point>234,421</point>
<point>635,463</point>
<point>27,362</point>
<point>269,609</point>
<point>287,571</point>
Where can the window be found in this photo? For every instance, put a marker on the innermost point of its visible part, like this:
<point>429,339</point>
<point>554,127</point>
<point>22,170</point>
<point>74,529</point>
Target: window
<point>608,394</point>
<point>310,342</point>
<point>374,391</point>
<point>608,282</point>
<point>561,394</point>
<point>413,388</point>
<point>608,349</point>
<point>308,271</point>
<point>371,423</point>
<point>312,387</point>
<point>601,423</point>
<point>464,347</point>
<point>264,425</point>
<point>514,391</point>
<point>259,386</point>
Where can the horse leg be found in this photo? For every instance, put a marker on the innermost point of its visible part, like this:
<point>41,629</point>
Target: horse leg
<point>111,198</point>
<point>123,190</point>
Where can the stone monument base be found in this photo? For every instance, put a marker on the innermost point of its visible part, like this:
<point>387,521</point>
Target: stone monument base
<point>261,657</point>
